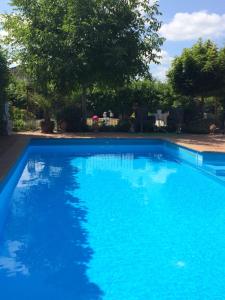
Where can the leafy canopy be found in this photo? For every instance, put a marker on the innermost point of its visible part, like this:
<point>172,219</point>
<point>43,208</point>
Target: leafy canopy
<point>196,71</point>
<point>68,43</point>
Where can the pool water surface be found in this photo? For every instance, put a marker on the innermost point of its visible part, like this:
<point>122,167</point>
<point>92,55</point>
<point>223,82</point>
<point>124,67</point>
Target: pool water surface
<point>134,225</point>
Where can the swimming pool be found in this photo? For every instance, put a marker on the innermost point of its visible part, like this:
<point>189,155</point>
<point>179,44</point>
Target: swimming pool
<point>113,220</point>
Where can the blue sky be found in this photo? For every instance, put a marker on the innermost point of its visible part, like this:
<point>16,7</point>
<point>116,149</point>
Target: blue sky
<point>184,21</point>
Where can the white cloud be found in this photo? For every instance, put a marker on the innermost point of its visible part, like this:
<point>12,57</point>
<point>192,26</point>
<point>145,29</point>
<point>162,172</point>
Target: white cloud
<point>159,71</point>
<point>190,26</point>
<point>165,58</point>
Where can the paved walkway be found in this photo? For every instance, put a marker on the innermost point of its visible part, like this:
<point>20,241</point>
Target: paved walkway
<point>12,146</point>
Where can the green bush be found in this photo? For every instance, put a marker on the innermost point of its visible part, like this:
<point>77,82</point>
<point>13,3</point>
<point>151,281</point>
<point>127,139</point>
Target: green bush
<point>21,119</point>
<point>154,95</point>
<point>19,125</point>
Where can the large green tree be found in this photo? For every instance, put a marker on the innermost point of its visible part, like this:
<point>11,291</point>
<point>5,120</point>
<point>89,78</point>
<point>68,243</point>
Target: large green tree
<point>196,72</point>
<point>67,44</point>
<point>36,42</point>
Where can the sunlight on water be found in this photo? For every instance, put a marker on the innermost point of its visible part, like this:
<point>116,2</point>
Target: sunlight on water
<point>113,226</point>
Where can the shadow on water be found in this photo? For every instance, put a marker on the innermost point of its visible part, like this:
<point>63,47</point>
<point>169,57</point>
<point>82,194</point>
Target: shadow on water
<point>45,253</point>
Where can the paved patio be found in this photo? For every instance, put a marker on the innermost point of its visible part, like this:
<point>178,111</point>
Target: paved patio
<point>12,146</point>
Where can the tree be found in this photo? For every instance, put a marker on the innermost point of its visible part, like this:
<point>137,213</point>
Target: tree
<point>4,77</point>
<point>36,39</point>
<point>116,41</point>
<point>68,44</point>
<point>195,72</point>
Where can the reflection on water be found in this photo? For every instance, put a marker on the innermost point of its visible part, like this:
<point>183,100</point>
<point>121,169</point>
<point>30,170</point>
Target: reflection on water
<point>125,164</point>
<point>46,244</point>
<point>9,262</point>
<point>44,251</point>
<point>149,222</point>
<point>111,227</point>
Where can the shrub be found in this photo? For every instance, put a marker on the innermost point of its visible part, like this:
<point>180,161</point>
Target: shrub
<point>21,119</point>
<point>19,125</point>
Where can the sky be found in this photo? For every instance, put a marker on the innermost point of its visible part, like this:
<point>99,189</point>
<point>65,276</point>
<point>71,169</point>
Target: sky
<point>184,21</point>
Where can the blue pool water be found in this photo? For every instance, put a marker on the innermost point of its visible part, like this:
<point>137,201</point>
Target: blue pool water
<point>112,223</point>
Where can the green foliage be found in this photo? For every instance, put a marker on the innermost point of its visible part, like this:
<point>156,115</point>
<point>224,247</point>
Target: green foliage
<point>23,96</point>
<point>63,44</point>
<point>199,74</point>
<point>196,71</point>
<point>110,41</point>
<point>17,93</point>
<point>22,119</point>
<point>220,93</point>
<point>154,94</point>
<point>4,78</point>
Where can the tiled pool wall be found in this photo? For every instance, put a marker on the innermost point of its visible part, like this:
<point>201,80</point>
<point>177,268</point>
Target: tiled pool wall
<point>10,181</point>
<point>105,145</point>
<point>184,154</point>
<point>91,146</point>
<point>122,145</point>
<point>209,157</point>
